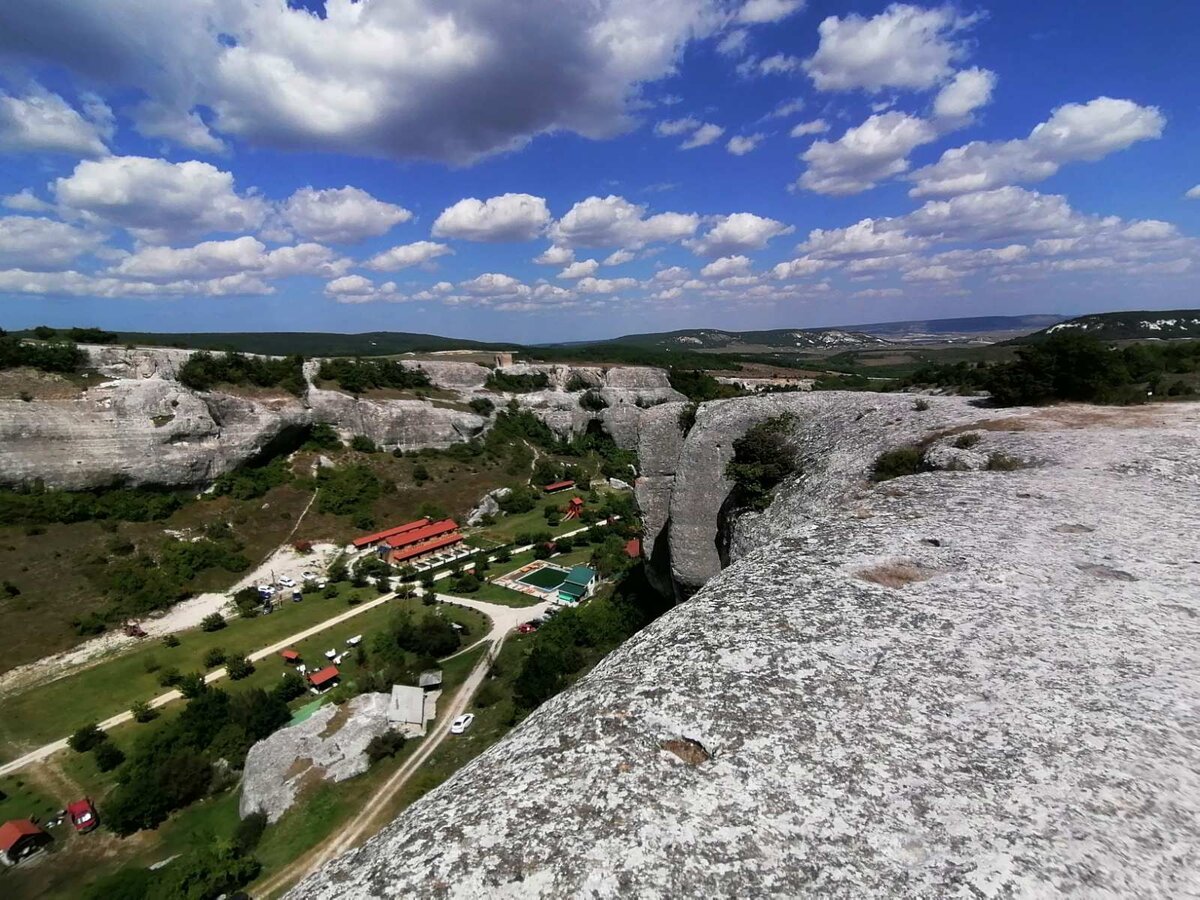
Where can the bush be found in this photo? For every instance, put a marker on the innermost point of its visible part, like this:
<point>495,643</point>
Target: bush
<point>87,738</point>
<point>239,667</point>
<point>385,745</point>
<point>467,583</point>
<point>1002,462</point>
<point>518,384</point>
<point>358,375</point>
<point>204,371</point>
<point>363,444</point>
<point>687,418</point>
<point>967,441</point>
<point>921,405</point>
<point>56,357</point>
<point>249,832</point>
<point>108,756</point>
<point>214,658</point>
<point>11,590</point>
<point>170,677</point>
<point>898,462</point>
<point>593,401</point>
<point>143,712</point>
<point>762,458</point>
<point>170,640</point>
<point>488,695</point>
<point>482,406</point>
<point>212,622</point>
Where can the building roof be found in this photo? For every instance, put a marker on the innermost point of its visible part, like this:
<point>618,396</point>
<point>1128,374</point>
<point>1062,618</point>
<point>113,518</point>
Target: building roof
<point>407,704</point>
<point>13,830</point>
<point>430,678</point>
<point>424,533</point>
<point>633,548</point>
<point>289,654</point>
<point>559,486</point>
<point>428,547</point>
<point>574,591</point>
<point>327,674</point>
<point>581,575</point>
<point>378,536</point>
<point>576,501</point>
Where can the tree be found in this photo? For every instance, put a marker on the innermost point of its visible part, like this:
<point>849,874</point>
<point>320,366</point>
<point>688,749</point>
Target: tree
<point>108,756</point>
<point>86,738</point>
<point>124,884</point>
<point>384,745</point>
<point>143,712</point>
<point>239,667</point>
<point>192,685</point>
<point>762,458</point>
<point>214,657</point>
<point>481,406</point>
<point>212,622</point>
<point>249,832</point>
<point>289,687</point>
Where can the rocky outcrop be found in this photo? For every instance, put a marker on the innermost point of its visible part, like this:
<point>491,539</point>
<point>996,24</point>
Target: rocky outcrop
<point>407,424</point>
<point>149,431</point>
<point>330,745</point>
<point>135,362</point>
<point>954,684</point>
<point>449,375</point>
<point>489,505</point>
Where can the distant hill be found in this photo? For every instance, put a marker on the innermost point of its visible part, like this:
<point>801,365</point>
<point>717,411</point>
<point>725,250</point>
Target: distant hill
<point>846,337</point>
<point>968,325</point>
<point>306,343</point>
<point>734,341</point>
<point>1134,325</point>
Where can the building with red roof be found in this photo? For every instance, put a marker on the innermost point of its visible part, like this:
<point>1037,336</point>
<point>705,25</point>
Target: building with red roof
<point>558,486</point>
<point>574,508</point>
<point>325,679</point>
<point>83,815</point>
<point>20,838</point>
<point>370,540</point>
<point>290,656</point>
<point>633,548</point>
<point>412,545</point>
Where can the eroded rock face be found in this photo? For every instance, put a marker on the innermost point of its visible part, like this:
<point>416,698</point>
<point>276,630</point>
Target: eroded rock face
<point>150,431</point>
<point>407,424</point>
<point>955,684</point>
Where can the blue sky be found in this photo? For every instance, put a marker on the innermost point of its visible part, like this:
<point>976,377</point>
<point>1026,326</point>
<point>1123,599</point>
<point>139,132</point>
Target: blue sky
<point>567,170</point>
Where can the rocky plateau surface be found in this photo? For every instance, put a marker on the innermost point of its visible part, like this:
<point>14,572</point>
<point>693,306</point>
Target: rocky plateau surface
<point>141,426</point>
<point>961,683</point>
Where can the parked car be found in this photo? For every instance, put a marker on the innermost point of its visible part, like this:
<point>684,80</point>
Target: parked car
<point>462,723</point>
<point>526,628</point>
<point>286,581</point>
<point>309,576</point>
<point>267,589</point>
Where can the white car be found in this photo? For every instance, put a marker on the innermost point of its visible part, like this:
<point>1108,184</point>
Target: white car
<point>462,723</point>
<point>309,576</point>
<point>266,589</point>
<point>287,582</point>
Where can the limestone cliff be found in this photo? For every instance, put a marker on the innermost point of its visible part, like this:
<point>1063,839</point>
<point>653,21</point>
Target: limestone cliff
<point>954,684</point>
<point>142,426</point>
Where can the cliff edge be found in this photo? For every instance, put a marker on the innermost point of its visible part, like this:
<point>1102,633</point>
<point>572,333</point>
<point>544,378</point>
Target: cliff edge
<point>962,683</point>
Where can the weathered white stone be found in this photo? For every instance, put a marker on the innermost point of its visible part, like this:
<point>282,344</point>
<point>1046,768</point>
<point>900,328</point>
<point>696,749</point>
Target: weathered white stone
<point>488,505</point>
<point>956,684</point>
<point>277,765</point>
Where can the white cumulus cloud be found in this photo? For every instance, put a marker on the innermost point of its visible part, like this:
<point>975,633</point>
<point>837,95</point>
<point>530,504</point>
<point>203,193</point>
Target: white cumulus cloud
<point>754,12</point>
<point>613,221</point>
<point>703,136</point>
<point>405,255</point>
<point>580,269</point>
<point>742,144</point>
<point>158,201</point>
<point>905,46</point>
<point>43,122</point>
<point>344,215</point>
<point>865,155</point>
<point>965,93</point>
<point>1073,133</point>
<point>738,233</point>
<point>804,129</point>
<point>29,242</point>
<point>507,218</point>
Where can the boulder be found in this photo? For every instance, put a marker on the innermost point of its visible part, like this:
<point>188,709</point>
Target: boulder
<point>331,745</point>
<point>488,505</point>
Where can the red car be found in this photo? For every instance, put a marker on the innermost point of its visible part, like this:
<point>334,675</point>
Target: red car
<point>526,628</point>
<point>83,815</point>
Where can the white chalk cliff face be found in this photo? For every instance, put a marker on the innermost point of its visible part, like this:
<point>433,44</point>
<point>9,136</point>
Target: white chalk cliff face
<point>144,427</point>
<point>954,684</point>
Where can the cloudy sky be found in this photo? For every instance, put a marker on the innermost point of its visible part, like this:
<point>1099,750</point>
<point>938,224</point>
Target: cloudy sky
<point>568,169</point>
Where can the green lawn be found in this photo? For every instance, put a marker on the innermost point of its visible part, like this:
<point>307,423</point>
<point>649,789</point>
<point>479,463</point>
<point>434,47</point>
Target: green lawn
<point>53,711</point>
<point>507,527</point>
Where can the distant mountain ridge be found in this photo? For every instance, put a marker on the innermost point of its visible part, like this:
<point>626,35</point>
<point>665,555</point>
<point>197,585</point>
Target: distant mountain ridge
<point>840,337</point>
<point>1163,324</point>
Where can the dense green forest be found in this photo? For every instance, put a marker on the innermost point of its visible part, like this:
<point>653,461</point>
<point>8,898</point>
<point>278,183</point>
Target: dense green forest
<point>1074,366</point>
<point>358,375</point>
<point>203,371</point>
